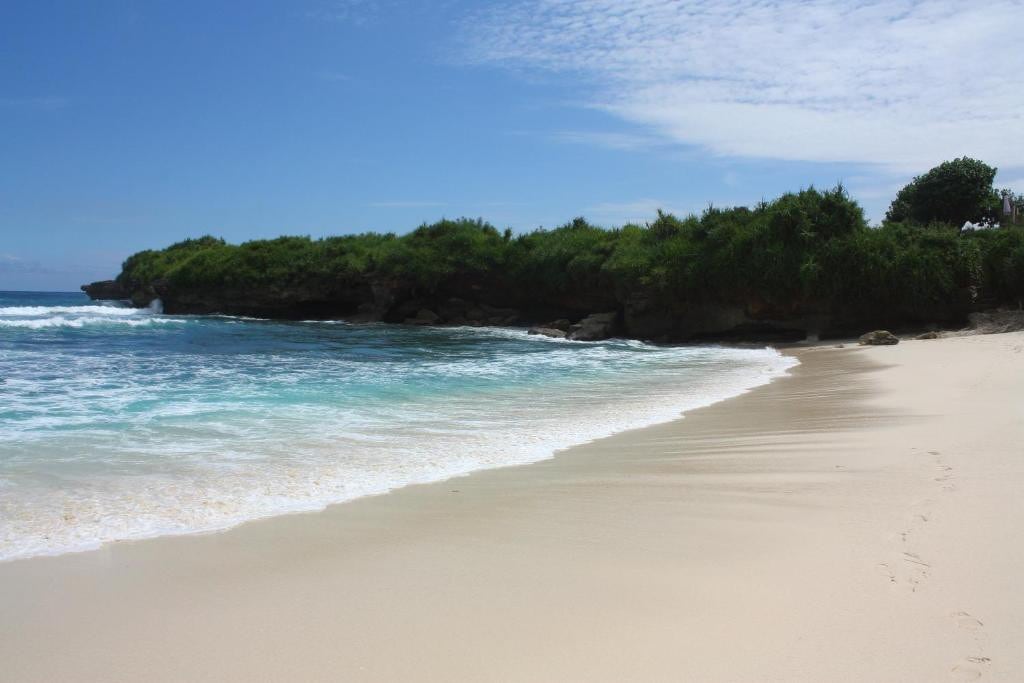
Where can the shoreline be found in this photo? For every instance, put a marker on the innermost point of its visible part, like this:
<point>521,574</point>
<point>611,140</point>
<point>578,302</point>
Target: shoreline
<point>657,403</point>
<point>834,524</point>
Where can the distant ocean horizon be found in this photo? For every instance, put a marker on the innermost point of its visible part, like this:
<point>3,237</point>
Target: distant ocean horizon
<point>119,423</point>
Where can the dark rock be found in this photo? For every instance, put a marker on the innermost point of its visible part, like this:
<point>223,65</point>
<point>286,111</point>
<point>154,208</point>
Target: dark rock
<point>428,315</point>
<point>382,296</point>
<point>500,316</point>
<point>548,332</point>
<point>453,309</point>
<point>646,318</point>
<point>594,327</point>
<point>996,322</point>
<point>562,324</point>
<point>928,335</point>
<point>754,332</point>
<point>105,290</point>
<point>424,316</point>
<point>879,338</point>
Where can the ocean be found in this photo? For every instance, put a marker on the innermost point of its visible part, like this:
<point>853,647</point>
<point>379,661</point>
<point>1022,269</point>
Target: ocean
<point>119,423</point>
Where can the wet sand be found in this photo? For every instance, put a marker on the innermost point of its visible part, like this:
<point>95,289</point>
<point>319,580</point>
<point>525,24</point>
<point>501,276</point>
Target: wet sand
<point>858,520</point>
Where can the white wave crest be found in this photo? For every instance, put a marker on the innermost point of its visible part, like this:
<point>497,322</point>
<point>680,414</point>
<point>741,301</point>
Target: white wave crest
<point>219,459</point>
<point>70,322</point>
<point>37,311</point>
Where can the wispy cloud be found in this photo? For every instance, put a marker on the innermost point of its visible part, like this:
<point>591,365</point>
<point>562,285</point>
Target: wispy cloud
<point>902,83</point>
<point>11,264</point>
<point>611,140</point>
<point>1015,184</point>
<point>875,187</point>
<point>39,103</point>
<point>405,204</point>
<point>635,211</point>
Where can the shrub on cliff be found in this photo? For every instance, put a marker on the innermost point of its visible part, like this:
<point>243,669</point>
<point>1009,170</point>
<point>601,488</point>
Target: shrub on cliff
<point>954,192</point>
<point>808,250</point>
<point>430,254</point>
<point>899,271</point>
<point>554,262</point>
<point>1002,263</point>
<point>735,254</point>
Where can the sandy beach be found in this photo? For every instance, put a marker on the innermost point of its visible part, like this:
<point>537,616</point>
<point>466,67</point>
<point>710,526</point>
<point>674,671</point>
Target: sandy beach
<point>857,520</point>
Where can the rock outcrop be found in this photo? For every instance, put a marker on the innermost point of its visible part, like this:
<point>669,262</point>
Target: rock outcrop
<point>483,302</point>
<point>595,327</point>
<point>548,332</point>
<point>105,290</point>
<point>879,338</point>
<point>562,324</point>
<point>424,316</point>
<point>997,321</point>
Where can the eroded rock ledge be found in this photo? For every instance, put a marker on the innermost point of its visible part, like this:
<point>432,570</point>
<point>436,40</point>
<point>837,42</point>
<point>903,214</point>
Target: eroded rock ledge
<point>583,319</point>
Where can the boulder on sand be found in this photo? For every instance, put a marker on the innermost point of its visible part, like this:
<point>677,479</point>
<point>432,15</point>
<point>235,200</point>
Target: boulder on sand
<point>879,338</point>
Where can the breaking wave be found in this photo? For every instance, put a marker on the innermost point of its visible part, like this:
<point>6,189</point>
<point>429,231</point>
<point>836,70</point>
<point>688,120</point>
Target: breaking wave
<point>128,425</point>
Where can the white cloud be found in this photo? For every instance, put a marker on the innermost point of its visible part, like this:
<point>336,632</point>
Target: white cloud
<point>902,83</point>
<point>636,211</point>
<point>609,140</point>
<point>9,263</point>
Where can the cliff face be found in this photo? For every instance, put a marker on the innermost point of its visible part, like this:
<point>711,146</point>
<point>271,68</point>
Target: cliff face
<point>291,302</point>
<point>803,264</point>
<point>488,302</point>
<point>105,290</point>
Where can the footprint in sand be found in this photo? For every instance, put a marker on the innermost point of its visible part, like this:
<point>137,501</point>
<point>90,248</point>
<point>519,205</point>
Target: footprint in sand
<point>967,621</point>
<point>970,669</point>
<point>918,570</point>
<point>945,472</point>
<point>965,672</point>
<point>973,667</point>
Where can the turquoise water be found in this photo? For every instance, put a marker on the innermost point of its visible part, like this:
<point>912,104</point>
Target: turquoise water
<point>119,423</point>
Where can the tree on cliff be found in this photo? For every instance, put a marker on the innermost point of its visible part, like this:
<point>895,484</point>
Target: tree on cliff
<point>954,192</point>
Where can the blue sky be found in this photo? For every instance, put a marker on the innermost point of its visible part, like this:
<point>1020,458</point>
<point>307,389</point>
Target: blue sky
<point>128,125</point>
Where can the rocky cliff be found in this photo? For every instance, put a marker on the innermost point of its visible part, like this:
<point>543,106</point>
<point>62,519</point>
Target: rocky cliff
<point>105,290</point>
<point>592,316</point>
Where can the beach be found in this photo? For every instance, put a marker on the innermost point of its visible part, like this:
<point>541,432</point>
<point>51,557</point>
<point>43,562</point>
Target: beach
<point>856,520</point>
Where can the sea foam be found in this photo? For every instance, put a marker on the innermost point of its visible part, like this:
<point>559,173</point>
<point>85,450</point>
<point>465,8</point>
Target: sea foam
<point>112,432</point>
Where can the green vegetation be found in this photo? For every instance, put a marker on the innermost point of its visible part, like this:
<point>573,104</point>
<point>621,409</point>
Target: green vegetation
<point>809,252</point>
<point>952,193</point>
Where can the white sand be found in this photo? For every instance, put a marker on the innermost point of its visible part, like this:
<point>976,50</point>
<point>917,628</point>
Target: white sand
<point>862,520</point>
